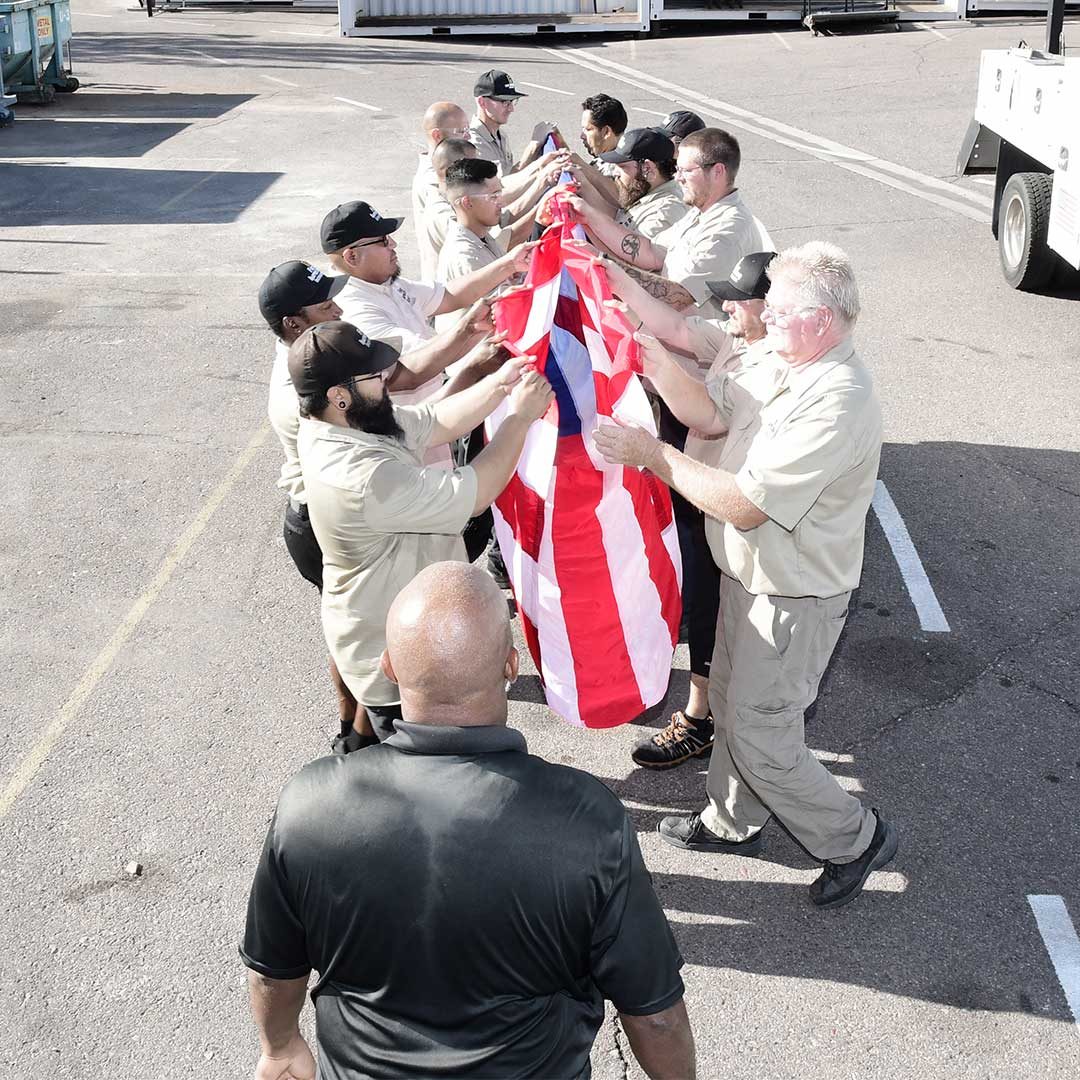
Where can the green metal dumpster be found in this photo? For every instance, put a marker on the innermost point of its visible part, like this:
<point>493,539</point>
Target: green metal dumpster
<point>35,49</point>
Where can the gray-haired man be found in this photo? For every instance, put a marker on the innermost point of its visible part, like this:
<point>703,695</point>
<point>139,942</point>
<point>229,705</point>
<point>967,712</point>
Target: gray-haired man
<point>785,513</point>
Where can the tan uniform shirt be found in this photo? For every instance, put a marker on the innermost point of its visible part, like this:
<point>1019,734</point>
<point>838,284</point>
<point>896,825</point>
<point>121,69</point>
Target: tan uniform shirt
<point>463,252</point>
<point>804,447</point>
<point>425,187</point>
<point>658,211</point>
<point>431,229</point>
<point>492,147</point>
<point>283,409</point>
<point>380,517</point>
<point>398,312</point>
<point>706,246</point>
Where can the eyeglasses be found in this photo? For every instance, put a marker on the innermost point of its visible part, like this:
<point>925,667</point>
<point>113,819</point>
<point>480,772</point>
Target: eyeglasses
<point>383,374</point>
<point>680,171</point>
<point>781,318</point>
<point>383,241</point>
<point>490,196</point>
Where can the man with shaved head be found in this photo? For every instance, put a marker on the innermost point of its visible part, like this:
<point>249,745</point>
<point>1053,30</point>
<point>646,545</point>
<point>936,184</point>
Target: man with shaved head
<point>438,215</point>
<point>468,906</point>
<point>443,120</point>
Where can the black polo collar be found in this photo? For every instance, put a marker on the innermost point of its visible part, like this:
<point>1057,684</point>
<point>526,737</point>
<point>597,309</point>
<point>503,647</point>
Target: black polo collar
<point>435,739</point>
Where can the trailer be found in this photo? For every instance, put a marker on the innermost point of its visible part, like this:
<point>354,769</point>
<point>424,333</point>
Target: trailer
<point>448,18</point>
<point>1025,133</point>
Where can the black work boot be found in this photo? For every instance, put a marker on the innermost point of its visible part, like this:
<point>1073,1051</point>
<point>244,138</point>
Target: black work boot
<point>840,883</point>
<point>690,834</point>
<point>681,740</point>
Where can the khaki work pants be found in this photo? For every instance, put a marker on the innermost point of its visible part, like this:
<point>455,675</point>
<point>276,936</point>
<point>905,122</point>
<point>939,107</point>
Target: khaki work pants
<point>770,654</point>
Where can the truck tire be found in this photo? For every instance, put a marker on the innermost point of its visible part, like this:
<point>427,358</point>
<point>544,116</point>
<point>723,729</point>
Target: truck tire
<point>1023,219</point>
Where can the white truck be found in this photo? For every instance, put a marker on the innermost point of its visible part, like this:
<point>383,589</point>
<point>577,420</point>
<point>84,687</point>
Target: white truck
<point>1026,131</point>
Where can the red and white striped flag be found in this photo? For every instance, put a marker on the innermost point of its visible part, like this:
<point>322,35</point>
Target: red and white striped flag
<point>591,548</point>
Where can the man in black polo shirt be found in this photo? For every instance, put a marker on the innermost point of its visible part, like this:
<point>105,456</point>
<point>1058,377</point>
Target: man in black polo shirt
<point>468,906</point>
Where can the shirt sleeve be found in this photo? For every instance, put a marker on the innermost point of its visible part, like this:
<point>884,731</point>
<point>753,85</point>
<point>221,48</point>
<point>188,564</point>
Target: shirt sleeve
<point>633,957</point>
<point>418,422</point>
<point>275,944</point>
<point>720,388</point>
<point>378,324</point>
<point>785,473</point>
<point>707,338</point>
<point>403,498</point>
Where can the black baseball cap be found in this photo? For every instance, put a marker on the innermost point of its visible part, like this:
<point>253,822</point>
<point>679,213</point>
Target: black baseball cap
<point>748,280</point>
<point>295,285</point>
<point>680,123</point>
<point>496,84</point>
<point>641,144</point>
<point>353,221</point>
<point>330,353</point>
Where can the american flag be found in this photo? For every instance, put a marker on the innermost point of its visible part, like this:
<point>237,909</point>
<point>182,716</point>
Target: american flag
<point>591,548</point>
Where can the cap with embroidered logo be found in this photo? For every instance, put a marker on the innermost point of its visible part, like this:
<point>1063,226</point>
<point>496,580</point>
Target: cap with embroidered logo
<point>352,222</point>
<point>498,85</point>
<point>641,144</point>
<point>748,280</point>
<point>295,285</point>
<point>331,353</point>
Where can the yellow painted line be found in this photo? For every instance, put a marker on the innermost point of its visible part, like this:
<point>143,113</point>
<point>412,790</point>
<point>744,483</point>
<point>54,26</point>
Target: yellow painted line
<point>35,758</point>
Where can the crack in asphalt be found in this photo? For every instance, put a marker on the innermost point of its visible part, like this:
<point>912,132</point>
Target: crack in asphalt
<point>1069,704</point>
<point>1032,476</point>
<point>617,1035</point>
<point>967,684</point>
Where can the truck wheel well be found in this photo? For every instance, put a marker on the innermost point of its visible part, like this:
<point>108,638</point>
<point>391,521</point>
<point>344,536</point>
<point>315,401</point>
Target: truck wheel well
<point>1011,160</point>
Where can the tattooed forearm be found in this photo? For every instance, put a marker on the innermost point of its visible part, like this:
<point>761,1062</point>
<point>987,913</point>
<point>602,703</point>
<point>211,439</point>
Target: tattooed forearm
<point>631,246</point>
<point>670,292</point>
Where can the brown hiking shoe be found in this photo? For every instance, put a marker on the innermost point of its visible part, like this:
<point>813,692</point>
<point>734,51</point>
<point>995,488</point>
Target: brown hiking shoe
<point>681,740</point>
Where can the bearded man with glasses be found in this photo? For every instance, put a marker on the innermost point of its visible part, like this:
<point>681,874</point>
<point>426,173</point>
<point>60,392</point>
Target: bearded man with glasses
<point>379,514</point>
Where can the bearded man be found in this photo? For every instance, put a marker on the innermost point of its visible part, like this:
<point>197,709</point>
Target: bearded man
<point>380,515</point>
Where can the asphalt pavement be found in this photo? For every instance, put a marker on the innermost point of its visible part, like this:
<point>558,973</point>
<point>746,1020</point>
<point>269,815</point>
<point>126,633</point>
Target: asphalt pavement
<point>165,671</point>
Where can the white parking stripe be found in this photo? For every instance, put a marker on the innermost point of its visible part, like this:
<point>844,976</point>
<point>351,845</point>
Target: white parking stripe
<point>550,89</point>
<point>930,29</point>
<point>970,204</point>
<point>358,104</point>
<point>274,78</point>
<point>1059,937</point>
<point>651,112</point>
<point>783,41</point>
<point>931,617</point>
<point>52,734</point>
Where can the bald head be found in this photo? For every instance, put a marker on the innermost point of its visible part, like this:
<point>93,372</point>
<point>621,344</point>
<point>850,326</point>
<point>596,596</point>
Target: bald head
<point>445,120</point>
<point>449,645</point>
<point>447,152</point>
